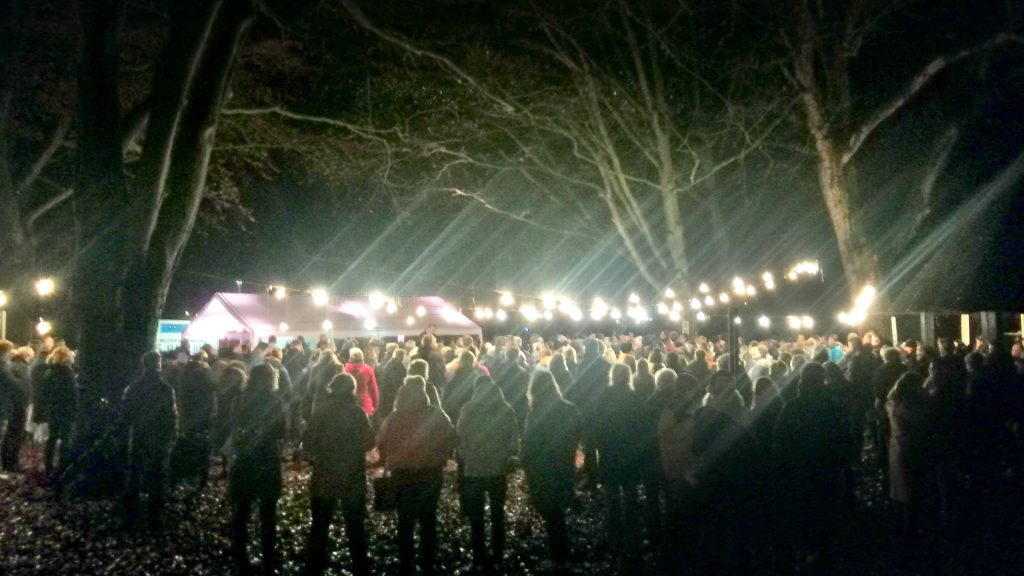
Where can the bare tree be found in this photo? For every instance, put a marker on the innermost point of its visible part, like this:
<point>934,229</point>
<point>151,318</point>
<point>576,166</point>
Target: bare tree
<point>827,38</point>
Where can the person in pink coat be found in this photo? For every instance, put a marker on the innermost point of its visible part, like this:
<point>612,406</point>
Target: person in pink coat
<point>366,381</point>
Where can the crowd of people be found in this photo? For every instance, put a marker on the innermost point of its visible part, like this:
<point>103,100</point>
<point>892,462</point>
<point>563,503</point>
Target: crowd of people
<point>688,456</point>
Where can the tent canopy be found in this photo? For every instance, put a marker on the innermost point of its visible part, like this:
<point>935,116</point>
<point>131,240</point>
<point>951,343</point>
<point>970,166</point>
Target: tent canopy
<point>255,317</point>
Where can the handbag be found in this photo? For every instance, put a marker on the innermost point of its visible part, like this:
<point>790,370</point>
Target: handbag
<point>385,493</point>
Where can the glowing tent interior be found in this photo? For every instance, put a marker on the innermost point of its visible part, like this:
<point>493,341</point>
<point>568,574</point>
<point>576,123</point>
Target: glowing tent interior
<point>248,317</point>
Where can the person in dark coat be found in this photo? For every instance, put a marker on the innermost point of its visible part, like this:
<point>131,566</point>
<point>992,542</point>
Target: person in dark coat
<point>55,401</point>
<point>548,457</point>
<point>389,380</point>
<point>809,465</point>
<point>429,353</point>
<point>727,456</point>
<point>255,476</point>
<point>337,440</point>
<point>460,390</point>
<point>560,370</point>
<point>415,443</point>
<point>884,379</point>
<point>487,437</point>
<point>513,381</point>
<point>861,364</point>
<point>617,427</point>
<point>590,381</point>
<point>197,401</point>
<point>150,415</point>
<point>910,411</point>
<point>15,387</point>
<point>698,367</point>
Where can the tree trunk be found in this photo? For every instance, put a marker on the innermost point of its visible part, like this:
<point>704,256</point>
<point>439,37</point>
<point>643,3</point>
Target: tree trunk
<point>860,265</point>
<point>186,178</point>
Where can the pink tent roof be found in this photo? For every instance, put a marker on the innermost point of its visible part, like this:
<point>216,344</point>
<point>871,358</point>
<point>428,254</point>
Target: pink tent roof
<point>260,315</point>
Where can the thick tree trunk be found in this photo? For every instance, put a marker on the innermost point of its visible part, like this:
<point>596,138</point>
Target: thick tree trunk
<point>186,178</point>
<point>860,264</point>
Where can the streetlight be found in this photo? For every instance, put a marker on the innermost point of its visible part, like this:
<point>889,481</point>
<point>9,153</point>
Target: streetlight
<point>45,287</point>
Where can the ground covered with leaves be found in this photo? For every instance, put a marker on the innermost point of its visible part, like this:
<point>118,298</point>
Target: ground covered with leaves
<point>41,536</point>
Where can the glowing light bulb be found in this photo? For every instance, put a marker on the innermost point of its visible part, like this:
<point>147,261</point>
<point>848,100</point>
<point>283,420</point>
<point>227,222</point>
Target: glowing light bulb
<point>807,322</point>
<point>327,325</point>
<point>615,314</point>
<point>528,312</point>
<point>421,311</point>
<point>391,308</point>
<point>501,315</point>
<point>695,303</point>
<point>677,307</point>
<point>674,316</point>
<point>548,315</point>
<point>280,292</point>
<point>662,308</point>
<point>751,290</point>
<point>704,288</point>
<point>320,297</point>
<point>377,300</point>
<point>793,322</point>
<point>737,321</point>
<point>702,317</point>
<point>283,326</point>
<point>764,322</point>
<point>670,293</point>
<point>45,286</point>
<point>549,302</point>
<point>866,297</point>
<point>506,299</point>
<point>409,321</point>
<point>43,327</point>
<point>634,298</point>
<point>709,300</point>
<point>369,323</point>
<point>723,298</point>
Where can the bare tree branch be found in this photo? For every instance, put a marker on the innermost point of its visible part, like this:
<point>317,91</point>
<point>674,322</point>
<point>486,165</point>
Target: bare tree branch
<point>918,83</point>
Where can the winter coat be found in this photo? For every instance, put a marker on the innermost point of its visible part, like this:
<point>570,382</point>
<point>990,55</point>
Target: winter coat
<point>389,380</point>
<point>150,414</point>
<point>56,395</point>
<point>910,421</point>
<point>860,369</point>
<point>197,399</point>
<point>808,435</point>
<point>284,380</point>
<point>487,436</point>
<point>366,386</point>
<point>459,392</point>
<point>514,381</point>
<point>591,381</point>
<point>675,421</point>
<point>435,374</point>
<point>618,429</point>
<point>885,378</point>
<point>548,454</point>
<point>337,440</point>
<point>699,370</point>
<point>417,438</point>
<point>258,423</point>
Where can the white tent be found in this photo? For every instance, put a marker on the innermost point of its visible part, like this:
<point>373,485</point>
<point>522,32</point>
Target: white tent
<point>253,317</point>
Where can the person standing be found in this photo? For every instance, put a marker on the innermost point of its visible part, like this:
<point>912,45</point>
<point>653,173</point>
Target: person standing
<point>389,380</point>
<point>150,415</point>
<point>365,379</point>
<point>55,400</point>
<point>15,390</point>
<point>549,458</point>
<point>337,440</point>
<point>197,400</point>
<point>255,476</point>
<point>617,427</point>
<point>513,380</point>
<point>910,415</point>
<point>415,442</point>
<point>591,380</point>
<point>487,437</point>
